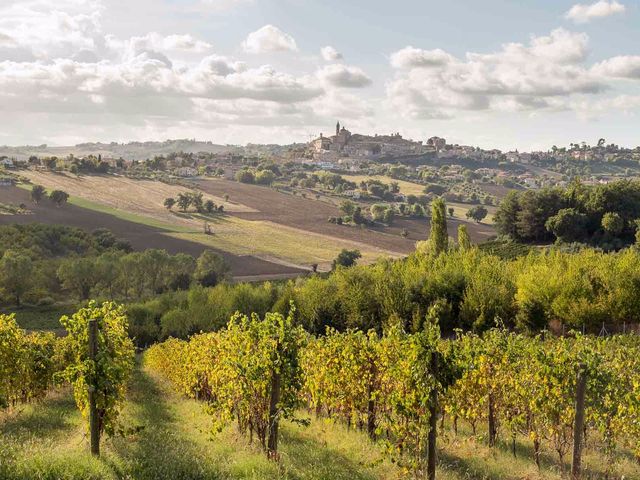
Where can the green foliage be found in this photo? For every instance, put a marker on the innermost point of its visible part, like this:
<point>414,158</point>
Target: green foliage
<point>16,274</point>
<point>109,374</point>
<point>601,215</point>
<point>233,370</point>
<point>59,197</point>
<point>346,258</point>
<point>612,223</point>
<point>169,203</point>
<point>245,176</point>
<point>27,363</point>
<point>477,213</point>
<point>438,241</point>
<point>464,240</point>
<point>211,269</point>
<point>264,177</point>
<point>37,193</point>
<point>567,225</point>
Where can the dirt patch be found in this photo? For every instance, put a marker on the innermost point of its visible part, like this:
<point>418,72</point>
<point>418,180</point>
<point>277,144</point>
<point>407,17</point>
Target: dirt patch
<point>140,236</point>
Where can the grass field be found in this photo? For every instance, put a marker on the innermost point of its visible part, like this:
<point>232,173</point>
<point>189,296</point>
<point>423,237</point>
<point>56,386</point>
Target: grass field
<point>142,202</point>
<point>47,441</point>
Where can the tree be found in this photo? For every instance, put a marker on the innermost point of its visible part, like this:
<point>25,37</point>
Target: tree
<point>347,207</point>
<point>211,269</point>
<point>265,177</point>
<point>209,206</point>
<point>477,213</point>
<point>196,200</point>
<point>357,216</point>
<point>612,223</point>
<point>346,258</point>
<point>245,176</point>
<point>59,197</point>
<point>79,275</point>
<point>568,225</point>
<point>184,201</point>
<point>169,203</point>
<point>464,241</point>
<point>37,193</point>
<point>507,215</point>
<point>438,236</point>
<point>452,212</point>
<point>16,274</point>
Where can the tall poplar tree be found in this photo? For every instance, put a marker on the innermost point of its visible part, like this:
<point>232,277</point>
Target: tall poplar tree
<point>438,237</point>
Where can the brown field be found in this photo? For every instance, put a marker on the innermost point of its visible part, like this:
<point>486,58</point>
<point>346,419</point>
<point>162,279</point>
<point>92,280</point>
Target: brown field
<point>261,226</point>
<point>311,215</point>
<point>140,236</point>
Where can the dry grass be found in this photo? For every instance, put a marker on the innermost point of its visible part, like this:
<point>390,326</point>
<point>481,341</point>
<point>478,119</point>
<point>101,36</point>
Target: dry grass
<point>276,242</point>
<point>141,201</point>
<point>144,197</point>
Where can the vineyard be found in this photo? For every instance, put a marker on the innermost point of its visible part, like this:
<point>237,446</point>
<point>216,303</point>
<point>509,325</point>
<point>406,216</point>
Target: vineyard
<point>412,395</point>
<point>394,387</point>
<point>33,364</point>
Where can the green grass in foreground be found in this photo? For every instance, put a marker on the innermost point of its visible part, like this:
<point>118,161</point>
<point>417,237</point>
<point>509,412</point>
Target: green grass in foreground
<point>46,441</point>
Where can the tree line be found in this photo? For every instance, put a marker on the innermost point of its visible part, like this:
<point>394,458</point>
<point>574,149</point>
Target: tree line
<point>42,263</point>
<point>605,216</point>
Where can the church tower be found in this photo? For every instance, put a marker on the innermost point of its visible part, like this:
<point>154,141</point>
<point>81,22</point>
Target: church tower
<point>337,128</point>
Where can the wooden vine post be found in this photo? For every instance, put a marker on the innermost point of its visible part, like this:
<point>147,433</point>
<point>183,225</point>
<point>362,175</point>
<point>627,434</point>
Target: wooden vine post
<point>272,443</point>
<point>433,421</point>
<point>578,425</point>
<point>94,425</point>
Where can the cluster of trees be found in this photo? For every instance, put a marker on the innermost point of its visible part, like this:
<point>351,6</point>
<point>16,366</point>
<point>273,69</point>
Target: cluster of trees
<point>604,215</point>
<point>187,200</point>
<point>88,164</point>
<point>469,289</point>
<point>264,174</point>
<point>39,263</point>
<point>379,212</point>
<point>58,197</point>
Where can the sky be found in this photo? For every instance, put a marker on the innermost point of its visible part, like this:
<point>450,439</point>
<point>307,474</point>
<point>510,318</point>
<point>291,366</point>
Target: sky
<point>494,74</point>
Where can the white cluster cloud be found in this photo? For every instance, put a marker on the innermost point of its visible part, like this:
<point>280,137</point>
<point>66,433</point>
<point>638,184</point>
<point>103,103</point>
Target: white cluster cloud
<point>330,54</point>
<point>623,66</point>
<point>269,39</point>
<point>583,13</point>
<point>344,76</point>
<point>434,84</point>
<point>410,57</point>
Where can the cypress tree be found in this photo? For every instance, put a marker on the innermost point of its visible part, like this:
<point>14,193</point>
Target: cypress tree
<point>464,241</point>
<point>438,237</point>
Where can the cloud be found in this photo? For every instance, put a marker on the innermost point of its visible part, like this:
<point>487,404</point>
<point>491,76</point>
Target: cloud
<point>344,76</point>
<point>410,57</point>
<point>269,39</point>
<point>583,13</point>
<point>223,5</point>
<point>433,83</point>
<point>624,66</point>
<point>330,54</point>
